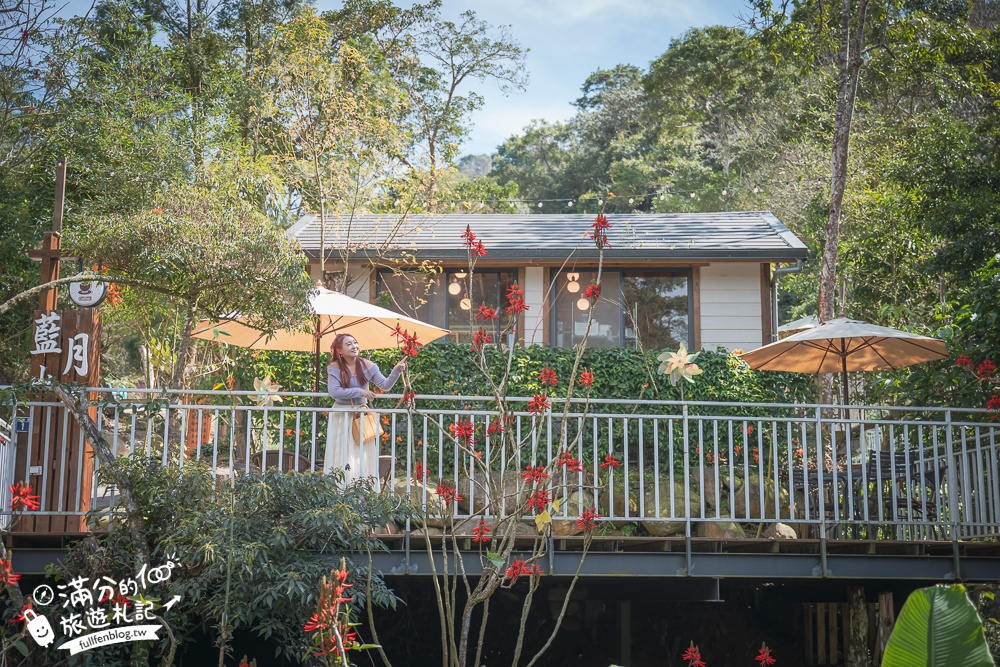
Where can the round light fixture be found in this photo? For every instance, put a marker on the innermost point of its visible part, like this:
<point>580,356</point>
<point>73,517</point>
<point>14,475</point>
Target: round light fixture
<point>466,303</point>
<point>461,275</point>
<point>455,289</point>
<point>583,304</point>
<point>573,287</point>
<point>572,277</point>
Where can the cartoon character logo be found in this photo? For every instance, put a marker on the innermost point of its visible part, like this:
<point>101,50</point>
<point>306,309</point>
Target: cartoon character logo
<point>39,627</point>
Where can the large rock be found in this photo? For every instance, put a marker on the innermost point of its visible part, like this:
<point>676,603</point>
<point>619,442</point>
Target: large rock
<point>572,501</point>
<point>719,530</point>
<point>759,507</point>
<point>780,531</point>
<point>429,506</point>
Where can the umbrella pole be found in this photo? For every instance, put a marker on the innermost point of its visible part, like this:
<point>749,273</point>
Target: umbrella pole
<point>843,362</point>
<point>317,361</point>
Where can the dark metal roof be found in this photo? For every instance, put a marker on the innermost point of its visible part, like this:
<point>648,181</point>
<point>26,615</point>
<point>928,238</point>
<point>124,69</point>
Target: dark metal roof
<point>751,235</point>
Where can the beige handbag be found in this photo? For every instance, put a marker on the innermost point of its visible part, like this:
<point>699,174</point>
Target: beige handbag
<point>365,426</point>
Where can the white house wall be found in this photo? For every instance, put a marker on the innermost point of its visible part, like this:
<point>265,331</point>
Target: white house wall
<point>731,306</point>
<point>534,297</point>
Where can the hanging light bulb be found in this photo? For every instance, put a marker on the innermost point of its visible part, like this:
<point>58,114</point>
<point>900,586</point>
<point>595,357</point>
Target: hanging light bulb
<point>572,287</point>
<point>600,202</point>
<point>572,277</point>
<point>455,288</point>
<point>582,304</point>
<point>539,204</point>
<point>465,304</point>
<point>461,275</point>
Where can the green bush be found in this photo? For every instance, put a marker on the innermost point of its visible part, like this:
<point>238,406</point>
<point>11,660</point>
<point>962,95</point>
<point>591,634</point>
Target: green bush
<point>623,374</point>
<point>252,552</point>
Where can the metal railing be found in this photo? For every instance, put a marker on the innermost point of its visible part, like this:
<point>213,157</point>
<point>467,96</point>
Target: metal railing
<point>696,468</point>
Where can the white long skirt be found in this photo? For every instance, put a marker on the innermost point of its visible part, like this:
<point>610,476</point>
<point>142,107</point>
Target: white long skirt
<point>357,461</point>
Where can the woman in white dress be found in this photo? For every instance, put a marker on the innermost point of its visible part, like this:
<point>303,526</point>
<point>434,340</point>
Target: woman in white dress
<point>348,376</point>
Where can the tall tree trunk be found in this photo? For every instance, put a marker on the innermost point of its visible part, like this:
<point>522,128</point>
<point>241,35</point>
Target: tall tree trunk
<point>857,635</point>
<point>182,348</point>
<point>849,64</point>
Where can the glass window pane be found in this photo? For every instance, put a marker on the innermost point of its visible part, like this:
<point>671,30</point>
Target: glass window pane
<point>570,321</point>
<point>656,310</point>
<point>414,293</point>
<point>466,294</point>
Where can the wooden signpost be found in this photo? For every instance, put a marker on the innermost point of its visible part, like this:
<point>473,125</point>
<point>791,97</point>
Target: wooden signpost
<point>53,456</point>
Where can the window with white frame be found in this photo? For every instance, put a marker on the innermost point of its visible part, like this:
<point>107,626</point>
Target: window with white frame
<point>651,309</point>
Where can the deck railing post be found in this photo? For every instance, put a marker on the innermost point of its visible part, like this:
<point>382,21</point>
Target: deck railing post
<point>687,467</point>
<point>820,461</point>
<point>952,490</point>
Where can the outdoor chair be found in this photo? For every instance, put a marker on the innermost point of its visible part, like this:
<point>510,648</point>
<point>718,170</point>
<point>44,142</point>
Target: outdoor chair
<point>907,487</point>
<point>285,461</point>
<point>384,472</point>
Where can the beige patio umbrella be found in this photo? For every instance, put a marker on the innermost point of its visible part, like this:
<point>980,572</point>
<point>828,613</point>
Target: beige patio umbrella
<point>335,313</point>
<point>842,345</point>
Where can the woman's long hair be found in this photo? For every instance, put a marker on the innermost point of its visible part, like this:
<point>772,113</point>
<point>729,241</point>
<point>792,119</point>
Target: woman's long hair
<point>338,358</point>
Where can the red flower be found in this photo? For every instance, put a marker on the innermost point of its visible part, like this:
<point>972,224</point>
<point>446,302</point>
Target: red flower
<point>463,431</point>
<point>693,656</point>
<point>495,427</point>
<point>448,494</point>
<point>588,520</point>
<point>586,378</point>
<point>519,568</point>
<point>764,656</point>
<point>600,233</point>
<point>534,474</point>
<point>994,403</point>
<point>539,404</point>
<point>515,300</point>
<point>21,496</point>
<point>572,464</point>
<point>593,291</point>
<point>20,615</point>
<point>985,369</point>
<point>539,500</point>
<point>475,247</point>
<point>486,314</point>
<point>409,399</point>
<point>479,533</point>
<point>407,343</point>
<point>480,339</point>
<point>419,472</point>
<point>547,376</point>
<point>611,461</point>
<point>6,576</point>
<point>963,361</point>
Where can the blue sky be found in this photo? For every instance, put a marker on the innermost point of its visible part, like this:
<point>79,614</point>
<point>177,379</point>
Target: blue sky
<point>568,39</point>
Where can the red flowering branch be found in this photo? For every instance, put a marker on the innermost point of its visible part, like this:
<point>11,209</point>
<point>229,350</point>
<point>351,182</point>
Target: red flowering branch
<point>693,656</point>
<point>764,656</point>
<point>333,633</point>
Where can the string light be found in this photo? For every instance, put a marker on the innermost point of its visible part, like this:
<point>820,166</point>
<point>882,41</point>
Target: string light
<point>633,199</point>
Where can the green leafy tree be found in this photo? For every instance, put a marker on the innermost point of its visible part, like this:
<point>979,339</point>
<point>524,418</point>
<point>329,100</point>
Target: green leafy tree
<point>433,61</point>
<point>211,256</point>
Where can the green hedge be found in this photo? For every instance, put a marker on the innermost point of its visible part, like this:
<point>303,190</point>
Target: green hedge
<point>619,373</point>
